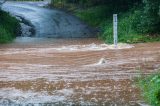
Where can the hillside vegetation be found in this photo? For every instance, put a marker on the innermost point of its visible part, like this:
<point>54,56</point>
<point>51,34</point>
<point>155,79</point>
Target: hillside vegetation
<point>138,20</point>
<point>9,27</point>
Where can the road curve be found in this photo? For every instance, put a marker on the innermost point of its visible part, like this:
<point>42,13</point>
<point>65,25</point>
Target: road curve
<point>49,22</point>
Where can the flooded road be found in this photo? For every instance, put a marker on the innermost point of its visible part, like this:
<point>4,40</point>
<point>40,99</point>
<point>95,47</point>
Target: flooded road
<point>48,72</point>
<point>74,71</point>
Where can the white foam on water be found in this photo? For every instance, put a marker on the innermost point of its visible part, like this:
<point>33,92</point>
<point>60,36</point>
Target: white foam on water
<point>93,47</point>
<point>101,62</point>
<point>66,92</point>
<point>24,97</point>
<point>69,48</point>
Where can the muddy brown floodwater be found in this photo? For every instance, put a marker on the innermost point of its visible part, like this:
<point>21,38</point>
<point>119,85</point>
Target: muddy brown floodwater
<point>74,72</point>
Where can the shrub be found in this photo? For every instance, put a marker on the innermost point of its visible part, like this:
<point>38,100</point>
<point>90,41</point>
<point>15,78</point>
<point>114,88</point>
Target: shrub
<point>151,19</point>
<point>150,87</point>
<point>4,35</point>
<point>9,27</point>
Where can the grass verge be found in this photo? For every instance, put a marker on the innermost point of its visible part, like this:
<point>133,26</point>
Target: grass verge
<point>9,27</point>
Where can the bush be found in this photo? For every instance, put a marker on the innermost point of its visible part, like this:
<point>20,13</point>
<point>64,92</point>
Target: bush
<point>151,19</point>
<point>4,35</point>
<point>147,19</point>
<point>150,87</point>
<point>9,27</point>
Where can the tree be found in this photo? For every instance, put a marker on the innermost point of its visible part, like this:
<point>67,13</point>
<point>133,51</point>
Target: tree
<point>152,15</point>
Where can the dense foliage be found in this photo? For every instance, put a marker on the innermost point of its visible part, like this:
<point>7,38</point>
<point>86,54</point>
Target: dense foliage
<point>151,16</point>
<point>9,27</point>
<point>139,20</point>
<point>150,87</point>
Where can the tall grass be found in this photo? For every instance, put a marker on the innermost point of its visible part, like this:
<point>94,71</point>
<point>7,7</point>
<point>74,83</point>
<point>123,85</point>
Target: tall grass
<point>9,27</point>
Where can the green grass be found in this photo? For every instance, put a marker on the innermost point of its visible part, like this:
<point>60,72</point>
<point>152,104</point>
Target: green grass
<point>9,27</point>
<point>101,17</point>
<point>150,87</point>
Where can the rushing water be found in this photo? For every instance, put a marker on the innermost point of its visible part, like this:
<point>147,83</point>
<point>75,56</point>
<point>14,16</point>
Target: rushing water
<point>49,22</point>
<point>74,71</point>
<point>85,71</point>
